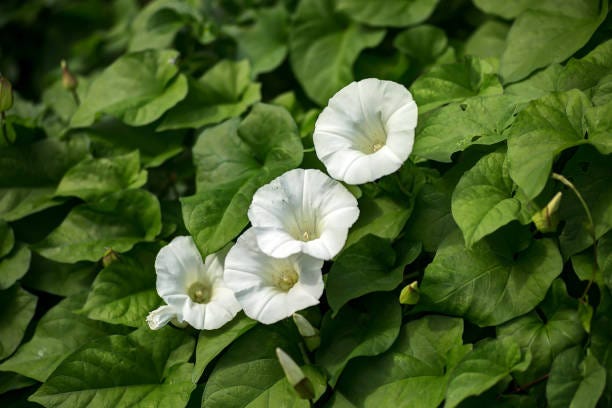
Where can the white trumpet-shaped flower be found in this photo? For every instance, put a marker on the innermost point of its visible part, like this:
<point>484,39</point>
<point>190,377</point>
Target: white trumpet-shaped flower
<point>194,291</point>
<point>271,289</point>
<point>366,131</point>
<point>302,211</point>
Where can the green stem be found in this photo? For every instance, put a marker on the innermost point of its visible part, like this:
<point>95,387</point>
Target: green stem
<point>591,229</point>
<point>4,131</point>
<point>75,95</point>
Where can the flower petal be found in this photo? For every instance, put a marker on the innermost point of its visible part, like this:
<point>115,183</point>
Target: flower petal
<point>178,264</point>
<point>366,131</point>
<point>161,316</point>
<point>250,273</point>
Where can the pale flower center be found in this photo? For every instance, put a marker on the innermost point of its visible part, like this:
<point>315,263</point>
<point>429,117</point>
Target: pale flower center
<point>199,292</point>
<point>286,279</point>
<point>374,135</point>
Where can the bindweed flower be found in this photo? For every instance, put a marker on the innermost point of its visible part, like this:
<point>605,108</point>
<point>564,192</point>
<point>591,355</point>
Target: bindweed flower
<point>194,291</point>
<point>302,211</point>
<point>271,289</point>
<point>366,131</point>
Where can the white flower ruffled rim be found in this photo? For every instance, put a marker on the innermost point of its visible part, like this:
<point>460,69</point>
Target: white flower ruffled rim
<point>271,289</point>
<point>302,211</point>
<point>194,291</point>
<point>366,131</point>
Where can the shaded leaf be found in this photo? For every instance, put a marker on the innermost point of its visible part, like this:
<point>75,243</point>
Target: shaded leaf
<point>388,13</point>
<point>14,266</point>
<point>16,310</point>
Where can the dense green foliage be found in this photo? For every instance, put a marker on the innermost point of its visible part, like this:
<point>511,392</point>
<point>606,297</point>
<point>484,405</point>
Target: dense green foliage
<point>184,108</point>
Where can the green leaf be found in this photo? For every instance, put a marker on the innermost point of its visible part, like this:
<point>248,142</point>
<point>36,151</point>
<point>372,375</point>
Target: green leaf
<point>263,43</point>
<point>485,199</point>
<point>62,279</point>
<point>489,363</point>
<point>158,23</point>
<point>137,88</point>
<point>232,161</point>
<point>599,125</point>
<point>17,309</point>
<point>381,216</point>
<point>413,372</point>
<point>223,92</point>
<point>485,286</point>
<point>7,238</point>
<point>455,82</point>
<point>508,10</point>
<point>575,380</point>
<point>591,174</point>
<point>249,375</point>
<point>117,221</point>
<point>489,39</point>
<point>14,266</point>
<point>424,43</point>
<point>601,341</point>
<point>562,29</point>
<point>112,138</point>
<point>431,220</point>
<point>545,128</point>
<point>583,74</point>
<point>93,178</point>
<point>124,292</point>
<point>455,127</point>
<point>30,174</point>
<point>213,342</point>
<point>546,334</point>
<point>366,330</point>
<point>12,381</point>
<point>368,266</point>
<point>146,368</point>
<point>388,13</point>
<point>323,46</point>
<point>59,333</point>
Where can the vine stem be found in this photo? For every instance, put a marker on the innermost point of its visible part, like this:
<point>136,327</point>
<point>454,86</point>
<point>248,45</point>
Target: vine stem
<point>530,384</point>
<point>591,229</point>
<point>4,131</point>
<point>75,95</point>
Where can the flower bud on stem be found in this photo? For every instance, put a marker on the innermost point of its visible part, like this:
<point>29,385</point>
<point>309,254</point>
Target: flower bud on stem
<point>296,377</point>
<point>6,103</point>
<point>309,333</point>
<point>547,219</point>
<point>410,294</point>
<point>69,81</point>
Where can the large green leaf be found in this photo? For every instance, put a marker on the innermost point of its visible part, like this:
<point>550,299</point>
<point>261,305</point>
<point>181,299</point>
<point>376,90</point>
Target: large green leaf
<point>485,286</point>
<point>562,29</point>
<point>146,368</point>
<point>546,334</point>
<point>486,199</point>
<point>575,380</point>
<point>455,82</point>
<point>93,178</point>
<point>16,310</point>
<point>381,216</point>
<point>232,161</point>
<point>508,10</point>
<point>223,92</point>
<point>124,292</point>
<point>423,43</point>
<point>137,88</point>
<point>488,40</point>
<point>62,279</point>
<point>58,334</point>
<point>14,266</point>
<point>264,42</point>
<point>601,341</point>
<point>323,47</point>
<point>388,13</point>
<point>30,174</point>
<point>368,266</point>
<point>599,127</point>
<point>366,329</point>
<point>413,372</point>
<point>455,127</point>
<point>7,238</point>
<point>213,342</point>
<point>583,73</point>
<point>489,363</point>
<point>591,173</point>
<point>544,129</point>
<point>118,221</point>
<point>248,375</point>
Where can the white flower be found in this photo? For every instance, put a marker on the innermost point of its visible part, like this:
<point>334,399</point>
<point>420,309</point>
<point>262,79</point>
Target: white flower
<point>194,291</point>
<point>302,211</point>
<point>366,131</point>
<point>271,289</point>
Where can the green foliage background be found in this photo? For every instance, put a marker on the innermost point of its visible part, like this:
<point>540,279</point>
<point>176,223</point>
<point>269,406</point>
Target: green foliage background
<point>185,107</point>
